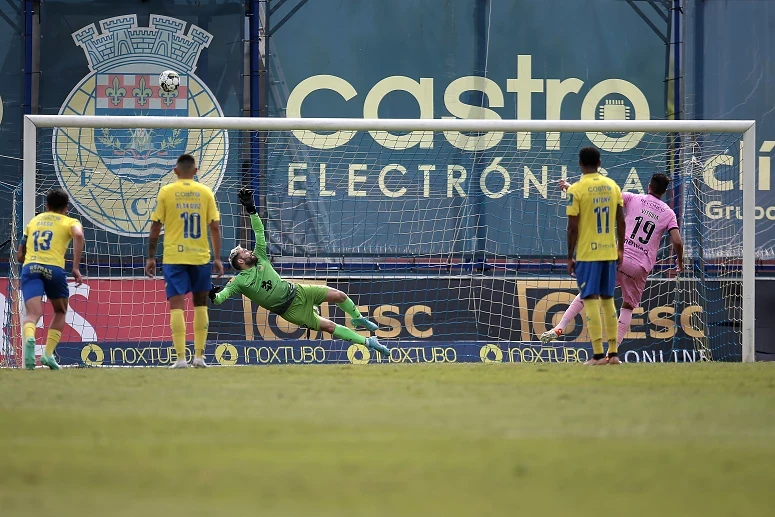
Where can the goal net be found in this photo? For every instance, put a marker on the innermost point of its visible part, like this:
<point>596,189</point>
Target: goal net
<point>449,234</point>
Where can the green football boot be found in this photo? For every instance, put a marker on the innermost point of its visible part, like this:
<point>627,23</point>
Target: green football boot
<point>29,353</point>
<point>50,362</point>
<point>374,344</point>
<point>364,323</point>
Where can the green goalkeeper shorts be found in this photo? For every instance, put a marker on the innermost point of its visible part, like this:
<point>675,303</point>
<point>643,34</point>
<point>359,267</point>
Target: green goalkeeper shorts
<point>302,309</point>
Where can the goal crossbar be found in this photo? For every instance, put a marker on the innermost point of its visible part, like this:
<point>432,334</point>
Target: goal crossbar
<point>360,124</point>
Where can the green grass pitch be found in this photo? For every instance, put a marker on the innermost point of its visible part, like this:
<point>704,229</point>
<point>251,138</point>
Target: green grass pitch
<point>393,440</point>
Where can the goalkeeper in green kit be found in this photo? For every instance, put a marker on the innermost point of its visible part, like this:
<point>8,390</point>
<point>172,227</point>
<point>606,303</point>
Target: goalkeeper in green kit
<point>296,303</point>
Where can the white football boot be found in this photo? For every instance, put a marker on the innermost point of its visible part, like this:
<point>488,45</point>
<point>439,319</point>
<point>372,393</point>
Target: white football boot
<point>551,335</point>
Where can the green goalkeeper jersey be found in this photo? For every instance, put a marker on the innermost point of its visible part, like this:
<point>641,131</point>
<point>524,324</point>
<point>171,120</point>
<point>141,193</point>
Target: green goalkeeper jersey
<point>261,283</point>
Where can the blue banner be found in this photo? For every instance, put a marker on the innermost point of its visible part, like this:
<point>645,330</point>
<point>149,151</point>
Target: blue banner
<point>486,193</point>
<point>731,77</point>
<point>491,194</point>
<point>244,353</point>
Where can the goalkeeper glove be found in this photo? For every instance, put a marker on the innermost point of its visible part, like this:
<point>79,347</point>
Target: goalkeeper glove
<point>245,196</point>
<point>215,290</point>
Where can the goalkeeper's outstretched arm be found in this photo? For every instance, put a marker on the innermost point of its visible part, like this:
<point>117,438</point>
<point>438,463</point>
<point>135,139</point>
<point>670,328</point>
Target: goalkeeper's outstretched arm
<point>245,196</point>
<point>220,294</point>
<point>258,230</point>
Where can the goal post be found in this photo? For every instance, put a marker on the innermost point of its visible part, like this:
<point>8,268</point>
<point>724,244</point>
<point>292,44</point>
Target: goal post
<point>457,223</point>
<point>748,168</point>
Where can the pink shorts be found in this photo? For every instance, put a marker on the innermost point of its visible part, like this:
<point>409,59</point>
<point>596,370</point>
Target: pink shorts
<point>631,278</point>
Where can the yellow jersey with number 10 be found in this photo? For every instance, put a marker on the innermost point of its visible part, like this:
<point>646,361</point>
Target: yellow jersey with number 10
<point>186,208</point>
<point>47,237</point>
<point>594,199</point>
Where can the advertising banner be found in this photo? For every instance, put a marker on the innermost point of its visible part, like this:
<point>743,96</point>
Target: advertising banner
<point>117,310</point>
<point>244,353</point>
<point>294,351</point>
<point>731,77</point>
<point>126,322</point>
<point>342,193</point>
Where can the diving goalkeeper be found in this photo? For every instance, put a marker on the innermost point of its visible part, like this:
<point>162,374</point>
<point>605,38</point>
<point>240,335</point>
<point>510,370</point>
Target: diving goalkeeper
<point>296,303</point>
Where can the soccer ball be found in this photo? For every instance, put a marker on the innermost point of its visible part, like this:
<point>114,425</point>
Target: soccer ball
<point>169,80</point>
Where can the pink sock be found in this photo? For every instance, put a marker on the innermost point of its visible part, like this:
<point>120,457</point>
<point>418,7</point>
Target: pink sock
<point>625,316</point>
<point>575,307</point>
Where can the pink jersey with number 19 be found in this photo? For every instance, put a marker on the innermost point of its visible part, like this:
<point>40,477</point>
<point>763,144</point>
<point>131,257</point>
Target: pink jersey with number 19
<point>647,219</point>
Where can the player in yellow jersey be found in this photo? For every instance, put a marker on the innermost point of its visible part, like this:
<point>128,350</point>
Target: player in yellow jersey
<point>595,211</point>
<point>42,253</point>
<point>186,208</point>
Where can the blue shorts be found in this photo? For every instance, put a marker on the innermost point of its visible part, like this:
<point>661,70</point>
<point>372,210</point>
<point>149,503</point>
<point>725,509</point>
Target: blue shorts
<point>40,279</point>
<point>596,278</point>
<point>183,279</point>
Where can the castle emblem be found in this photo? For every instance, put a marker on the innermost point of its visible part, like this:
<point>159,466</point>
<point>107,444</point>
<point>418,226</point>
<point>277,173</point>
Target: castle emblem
<point>113,175</point>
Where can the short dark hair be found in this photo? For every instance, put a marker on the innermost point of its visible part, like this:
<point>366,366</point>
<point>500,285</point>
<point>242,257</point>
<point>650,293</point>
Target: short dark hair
<point>186,161</point>
<point>234,262</point>
<point>658,183</point>
<point>589,157</point>
<point>57,199</point>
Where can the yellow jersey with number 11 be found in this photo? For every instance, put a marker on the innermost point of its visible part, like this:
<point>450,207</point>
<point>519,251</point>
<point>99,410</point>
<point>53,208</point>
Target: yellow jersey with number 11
<point>594,199</point>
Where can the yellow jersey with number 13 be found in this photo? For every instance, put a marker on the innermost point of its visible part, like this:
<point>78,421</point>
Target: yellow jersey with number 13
<point>186,208</point>
<point>594,199</point>
<point>47,238</point>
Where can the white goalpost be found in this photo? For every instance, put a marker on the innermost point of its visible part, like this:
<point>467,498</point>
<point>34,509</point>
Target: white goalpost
<point>449,233</point>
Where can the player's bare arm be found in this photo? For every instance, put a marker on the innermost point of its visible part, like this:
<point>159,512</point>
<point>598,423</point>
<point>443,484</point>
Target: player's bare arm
<point>21,252</point>
<point>678,247</point>
<point>153,243</point>
<point>620,233</point>
<point>78,244</point>
<point>573,237</point>
<point>215,239</point>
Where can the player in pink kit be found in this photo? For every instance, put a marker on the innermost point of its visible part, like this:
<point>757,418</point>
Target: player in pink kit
<point>647,218</point>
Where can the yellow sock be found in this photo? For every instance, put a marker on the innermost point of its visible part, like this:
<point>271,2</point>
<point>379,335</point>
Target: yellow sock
<point>29,330</point>
<point>178,327</point>
<point>611,323</point>
<point>201,321</point>
<point>52,340</point>
<point>594,324</point>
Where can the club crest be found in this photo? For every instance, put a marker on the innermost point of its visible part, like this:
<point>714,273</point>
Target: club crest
<point>113,175</point>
